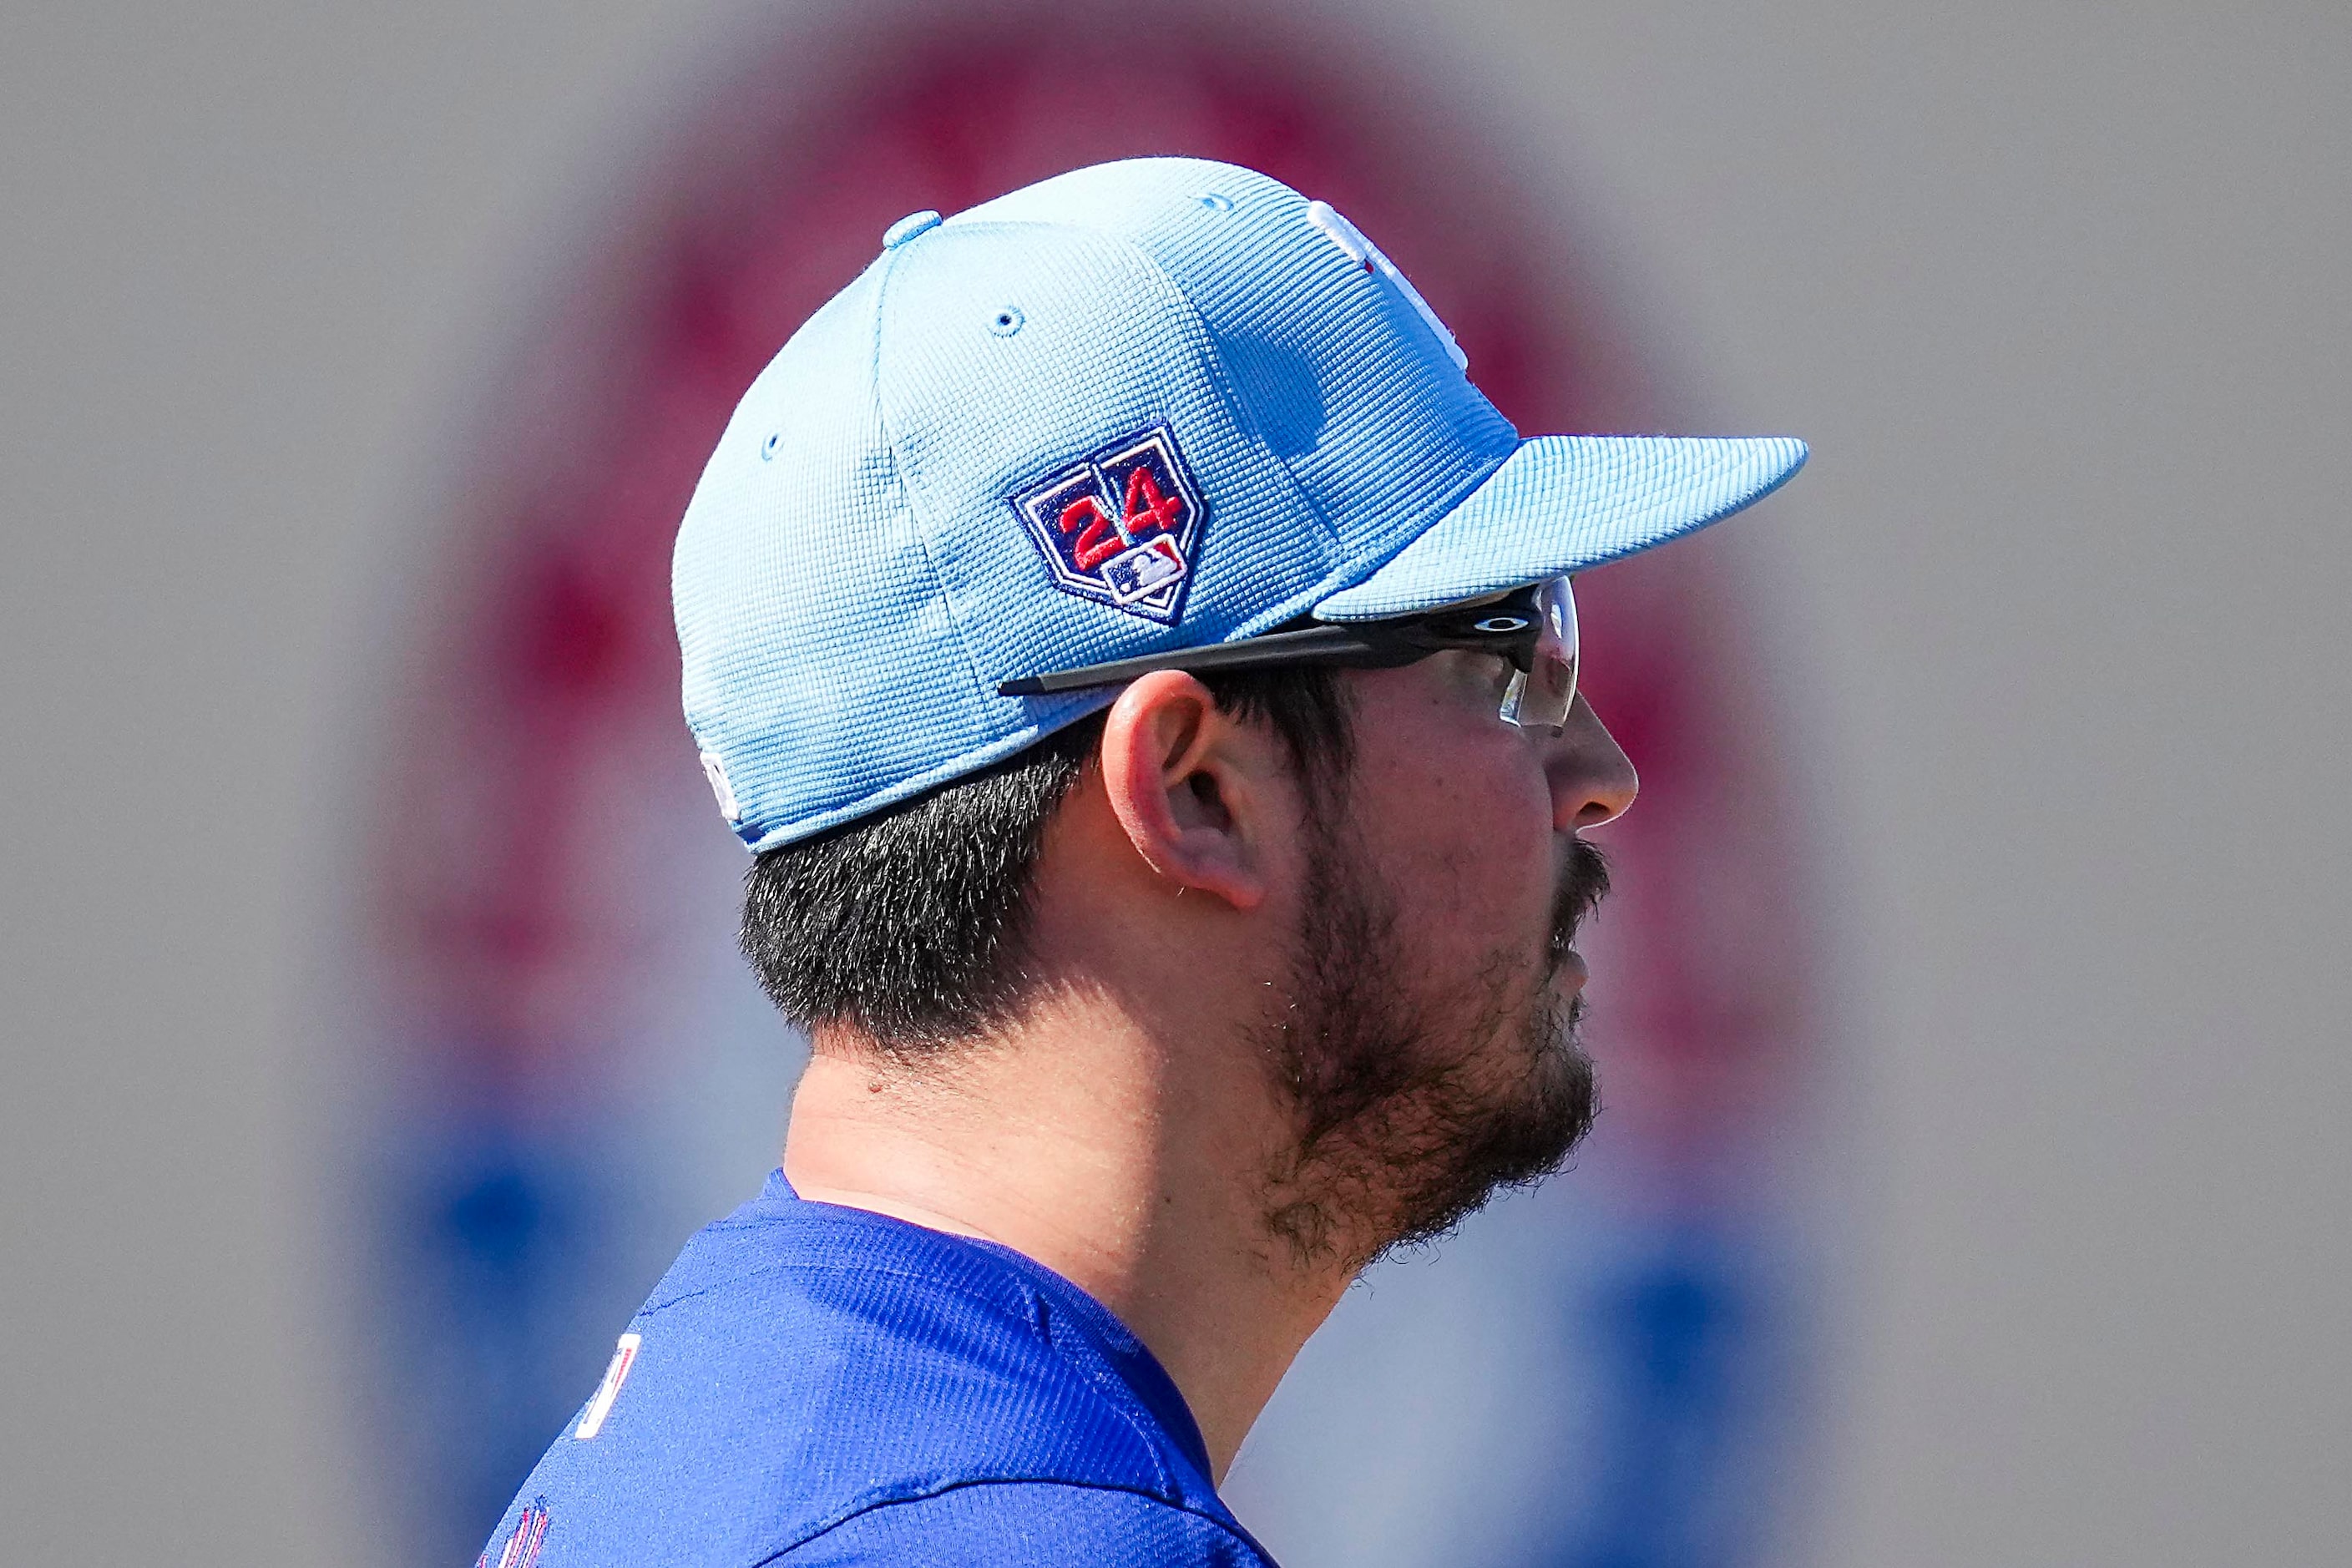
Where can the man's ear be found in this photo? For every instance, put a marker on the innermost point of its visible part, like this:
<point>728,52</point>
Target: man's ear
<point>1189,785</point>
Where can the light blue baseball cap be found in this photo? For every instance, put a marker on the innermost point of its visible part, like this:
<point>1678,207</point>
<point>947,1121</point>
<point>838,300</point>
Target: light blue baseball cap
<point>1141,406</point>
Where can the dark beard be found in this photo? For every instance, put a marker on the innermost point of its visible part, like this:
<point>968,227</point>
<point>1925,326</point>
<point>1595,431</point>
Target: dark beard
<point>1414,1111</point>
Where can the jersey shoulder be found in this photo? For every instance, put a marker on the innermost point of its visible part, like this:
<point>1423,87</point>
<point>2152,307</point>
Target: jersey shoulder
<point>1030,1524</point>
<point>802,1366</point>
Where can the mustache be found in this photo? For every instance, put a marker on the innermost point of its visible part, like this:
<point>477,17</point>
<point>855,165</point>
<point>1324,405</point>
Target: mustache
<point>1582,886</point>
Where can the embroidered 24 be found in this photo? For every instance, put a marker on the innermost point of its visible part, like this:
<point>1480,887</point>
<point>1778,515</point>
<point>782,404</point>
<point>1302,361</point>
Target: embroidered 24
<point>1122,526</point>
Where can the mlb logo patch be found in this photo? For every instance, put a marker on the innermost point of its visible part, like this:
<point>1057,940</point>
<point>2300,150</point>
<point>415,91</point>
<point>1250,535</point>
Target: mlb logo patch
<point>1120,526</point>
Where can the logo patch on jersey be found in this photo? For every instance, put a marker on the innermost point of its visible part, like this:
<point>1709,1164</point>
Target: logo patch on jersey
<point>1122,526</point>
<point>617,1373</point>
<point>521,1549</point>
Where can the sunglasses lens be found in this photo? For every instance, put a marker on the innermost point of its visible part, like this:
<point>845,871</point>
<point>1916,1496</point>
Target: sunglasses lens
<point>1541,698</point>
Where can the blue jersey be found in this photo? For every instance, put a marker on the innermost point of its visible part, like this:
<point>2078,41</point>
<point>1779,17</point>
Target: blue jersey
<point>818,1384</point>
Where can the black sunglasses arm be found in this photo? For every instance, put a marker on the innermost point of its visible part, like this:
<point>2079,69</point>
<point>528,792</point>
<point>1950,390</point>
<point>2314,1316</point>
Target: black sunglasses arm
<point>1367,643</point>
<point>1252,653</point>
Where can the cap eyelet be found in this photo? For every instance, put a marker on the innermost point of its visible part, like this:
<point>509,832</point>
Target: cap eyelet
<point>768,447</point>
<point>1007,322</point>
<point>1216,201</point>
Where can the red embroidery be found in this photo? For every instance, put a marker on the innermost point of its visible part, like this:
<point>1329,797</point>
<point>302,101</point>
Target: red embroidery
<point>1146,506</point>
<point>1098,543</point>
<point>522,1546</point>
<point>1119,526</point>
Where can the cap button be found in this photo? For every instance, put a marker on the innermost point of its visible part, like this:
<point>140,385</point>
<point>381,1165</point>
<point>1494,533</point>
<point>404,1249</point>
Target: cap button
<point>908,228</point>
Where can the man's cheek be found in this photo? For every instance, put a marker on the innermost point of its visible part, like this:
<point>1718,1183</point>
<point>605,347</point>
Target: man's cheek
<point>1499,858</point>
<point>1467,892</point>
<point>1460,828</point>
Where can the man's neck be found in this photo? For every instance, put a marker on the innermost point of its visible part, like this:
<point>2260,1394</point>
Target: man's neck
<point>1130,1164</point>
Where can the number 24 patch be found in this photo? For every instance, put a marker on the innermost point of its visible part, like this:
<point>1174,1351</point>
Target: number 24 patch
<point>1122,526</point>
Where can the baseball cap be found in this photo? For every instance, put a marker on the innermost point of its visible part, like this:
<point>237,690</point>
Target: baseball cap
<point>1145,405</point>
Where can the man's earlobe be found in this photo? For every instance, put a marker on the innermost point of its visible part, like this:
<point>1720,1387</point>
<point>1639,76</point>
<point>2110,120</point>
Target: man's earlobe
<point>1178,774</point>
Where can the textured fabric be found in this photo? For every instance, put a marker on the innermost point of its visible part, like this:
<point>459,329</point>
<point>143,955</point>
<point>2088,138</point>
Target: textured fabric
<point>1564,503</point>
<point>1029,1525</point>
<point>855,578</point>
<point>811,1383</point>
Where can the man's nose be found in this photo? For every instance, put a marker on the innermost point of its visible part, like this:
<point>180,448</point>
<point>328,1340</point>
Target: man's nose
<point>1592,781</point>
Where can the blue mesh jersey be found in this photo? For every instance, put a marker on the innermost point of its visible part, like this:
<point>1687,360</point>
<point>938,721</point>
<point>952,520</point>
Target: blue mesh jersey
<point>817,1384</point>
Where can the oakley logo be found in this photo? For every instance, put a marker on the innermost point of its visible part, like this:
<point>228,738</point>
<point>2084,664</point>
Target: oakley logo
<point>1120,527</point>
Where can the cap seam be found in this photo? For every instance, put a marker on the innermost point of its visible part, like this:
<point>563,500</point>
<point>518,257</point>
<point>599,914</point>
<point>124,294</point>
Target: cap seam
<point>1350,572</point>
<point>1232,400</point>
<point>1220,373</point>
<point>917,514</point>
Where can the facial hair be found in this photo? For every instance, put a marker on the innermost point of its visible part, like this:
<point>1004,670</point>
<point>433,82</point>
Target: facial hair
<point>1415,1106</point>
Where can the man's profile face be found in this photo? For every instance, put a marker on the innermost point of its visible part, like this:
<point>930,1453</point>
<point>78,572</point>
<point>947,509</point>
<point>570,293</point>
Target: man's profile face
<point>1427,1034</point>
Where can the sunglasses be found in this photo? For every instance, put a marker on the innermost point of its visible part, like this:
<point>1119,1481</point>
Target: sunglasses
<point>1534,629</point>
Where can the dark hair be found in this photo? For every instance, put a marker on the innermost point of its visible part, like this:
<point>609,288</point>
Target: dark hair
<point>909,926</point>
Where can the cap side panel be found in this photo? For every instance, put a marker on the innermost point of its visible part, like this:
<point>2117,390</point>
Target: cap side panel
<point>1326,357</point>
<point>1107,355</point>
<point>807,609</point>
<point>982,694</point>
<point>1388,430</point>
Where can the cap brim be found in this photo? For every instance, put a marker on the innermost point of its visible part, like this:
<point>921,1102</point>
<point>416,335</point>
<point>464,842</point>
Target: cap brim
<point>1565,503</point>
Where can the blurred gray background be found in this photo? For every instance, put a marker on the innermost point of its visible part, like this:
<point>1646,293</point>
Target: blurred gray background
<point>2059,293</point>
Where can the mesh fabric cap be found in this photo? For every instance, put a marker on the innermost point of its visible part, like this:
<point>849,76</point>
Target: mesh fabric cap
<point>879,539</point>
